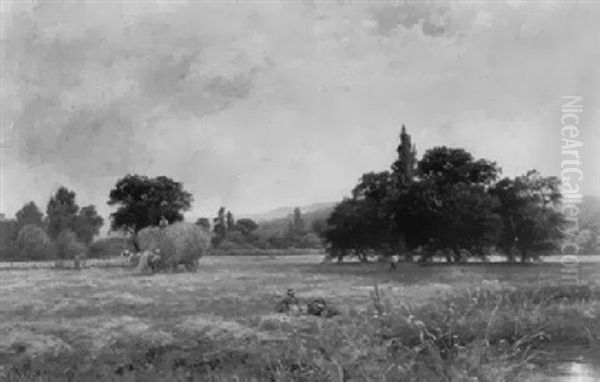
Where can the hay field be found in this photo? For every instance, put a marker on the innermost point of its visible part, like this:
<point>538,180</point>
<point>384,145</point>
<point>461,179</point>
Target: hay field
<point>219,323</point>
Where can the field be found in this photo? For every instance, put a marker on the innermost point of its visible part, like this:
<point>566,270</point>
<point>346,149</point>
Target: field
<point>469,322</point>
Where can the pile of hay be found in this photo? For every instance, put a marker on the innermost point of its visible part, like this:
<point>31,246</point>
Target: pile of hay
<point>179,243</point>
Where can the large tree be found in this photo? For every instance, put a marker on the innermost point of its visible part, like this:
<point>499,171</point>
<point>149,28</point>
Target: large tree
<point>450,208</point>
<point>461,217</point>
<point>29,214</point>
<point>61,211</point>
<point>87,224</point>
<point>141,201</point>
<point>355,227</point>
<point>34,244</point>
<point>447,166</point>
<point>529,210</point>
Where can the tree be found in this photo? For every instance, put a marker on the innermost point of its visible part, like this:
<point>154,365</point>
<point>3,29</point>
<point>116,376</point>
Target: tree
<point>374,186</point>
<point>355,227</point>
<point>529,210</point>
<point>446,166</point>
<point>9,230</point>
<point>29,214</point>
<point>404,168</point>
<point>141,201</point>
<point>230,221</point>
<point>298,222</point>
<point>67,246</point>
<point>204,223</point>
<point>34,243</point>
<point>461,217</point>
<point>61,211</point>
<point>449,208</point>
<point>246,226</point>
<point>87,224</point>
<point>219,227</point>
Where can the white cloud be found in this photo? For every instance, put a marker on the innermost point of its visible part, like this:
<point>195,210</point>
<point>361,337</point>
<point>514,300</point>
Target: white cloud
<point>256,105</point>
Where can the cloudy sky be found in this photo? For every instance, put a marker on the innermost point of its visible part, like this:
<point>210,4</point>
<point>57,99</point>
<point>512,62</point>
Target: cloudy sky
<point>255,105</point>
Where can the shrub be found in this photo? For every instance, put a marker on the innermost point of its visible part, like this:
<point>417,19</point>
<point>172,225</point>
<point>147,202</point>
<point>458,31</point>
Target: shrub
<point>34,243</point>
<point>67,246</point>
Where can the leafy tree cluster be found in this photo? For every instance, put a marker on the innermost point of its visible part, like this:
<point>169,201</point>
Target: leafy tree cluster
<point>143,201</point>
<point>65,231</point>
<point>448,202</point>
<point>231,233</point>
<point>297,230</point>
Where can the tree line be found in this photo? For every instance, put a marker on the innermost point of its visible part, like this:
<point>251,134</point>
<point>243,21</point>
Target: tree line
<point>141,201</point>
<point>449,203</point>
<point>65,231</point>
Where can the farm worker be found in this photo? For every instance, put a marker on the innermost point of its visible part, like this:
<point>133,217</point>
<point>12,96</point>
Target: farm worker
<point>163,222</point>
<point>289,304</point>
<point>143,265</point>
<point>155,260</point>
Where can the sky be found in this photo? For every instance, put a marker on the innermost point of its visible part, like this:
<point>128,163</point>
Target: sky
<point>255,105</point>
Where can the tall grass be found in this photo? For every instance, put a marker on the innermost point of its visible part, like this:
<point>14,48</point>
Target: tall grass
<point>473,334</point>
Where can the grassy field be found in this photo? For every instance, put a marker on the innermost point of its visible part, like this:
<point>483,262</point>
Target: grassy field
<point>442,322</point>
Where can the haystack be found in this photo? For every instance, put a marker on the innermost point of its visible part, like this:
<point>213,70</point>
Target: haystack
<point>179,243</point>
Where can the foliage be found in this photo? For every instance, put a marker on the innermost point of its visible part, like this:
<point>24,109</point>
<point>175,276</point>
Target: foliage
<point>34,243</point>
<point>529,210</point>
<point>29,214</point>
<point>230,221</point>
<point>9,230</point>
<point>141,201</point>
<point>61,211</point>
<point>219,227</point>
<point>67,245</point>
<point>447,166</point>
<point>355,227</point>
<point>87,224</point>
<point>63,214</point>
<point>404,168</point>
<point>448,201</point>
<point>204,223</point>
<point>246,226</point>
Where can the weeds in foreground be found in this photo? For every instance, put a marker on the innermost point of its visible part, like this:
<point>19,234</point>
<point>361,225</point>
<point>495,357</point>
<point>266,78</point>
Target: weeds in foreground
<point>474,335</point>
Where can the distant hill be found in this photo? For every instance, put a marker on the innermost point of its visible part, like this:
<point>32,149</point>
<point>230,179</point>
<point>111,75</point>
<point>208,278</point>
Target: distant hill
<point>284,212</point>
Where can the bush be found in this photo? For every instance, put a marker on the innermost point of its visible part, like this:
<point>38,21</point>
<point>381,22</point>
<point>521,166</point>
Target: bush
<point>67,246</point>
<point>34,243</point>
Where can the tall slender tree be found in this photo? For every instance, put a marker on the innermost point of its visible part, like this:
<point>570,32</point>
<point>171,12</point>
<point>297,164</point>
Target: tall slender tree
<point>404,168</point>
<point>230,221</point>
<point>220,226</point>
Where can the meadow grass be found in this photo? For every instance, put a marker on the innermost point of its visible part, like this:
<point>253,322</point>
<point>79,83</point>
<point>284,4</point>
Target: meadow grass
<point>449,323</point>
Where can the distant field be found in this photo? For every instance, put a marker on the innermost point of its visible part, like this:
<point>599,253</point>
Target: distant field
<point>227,304</point>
